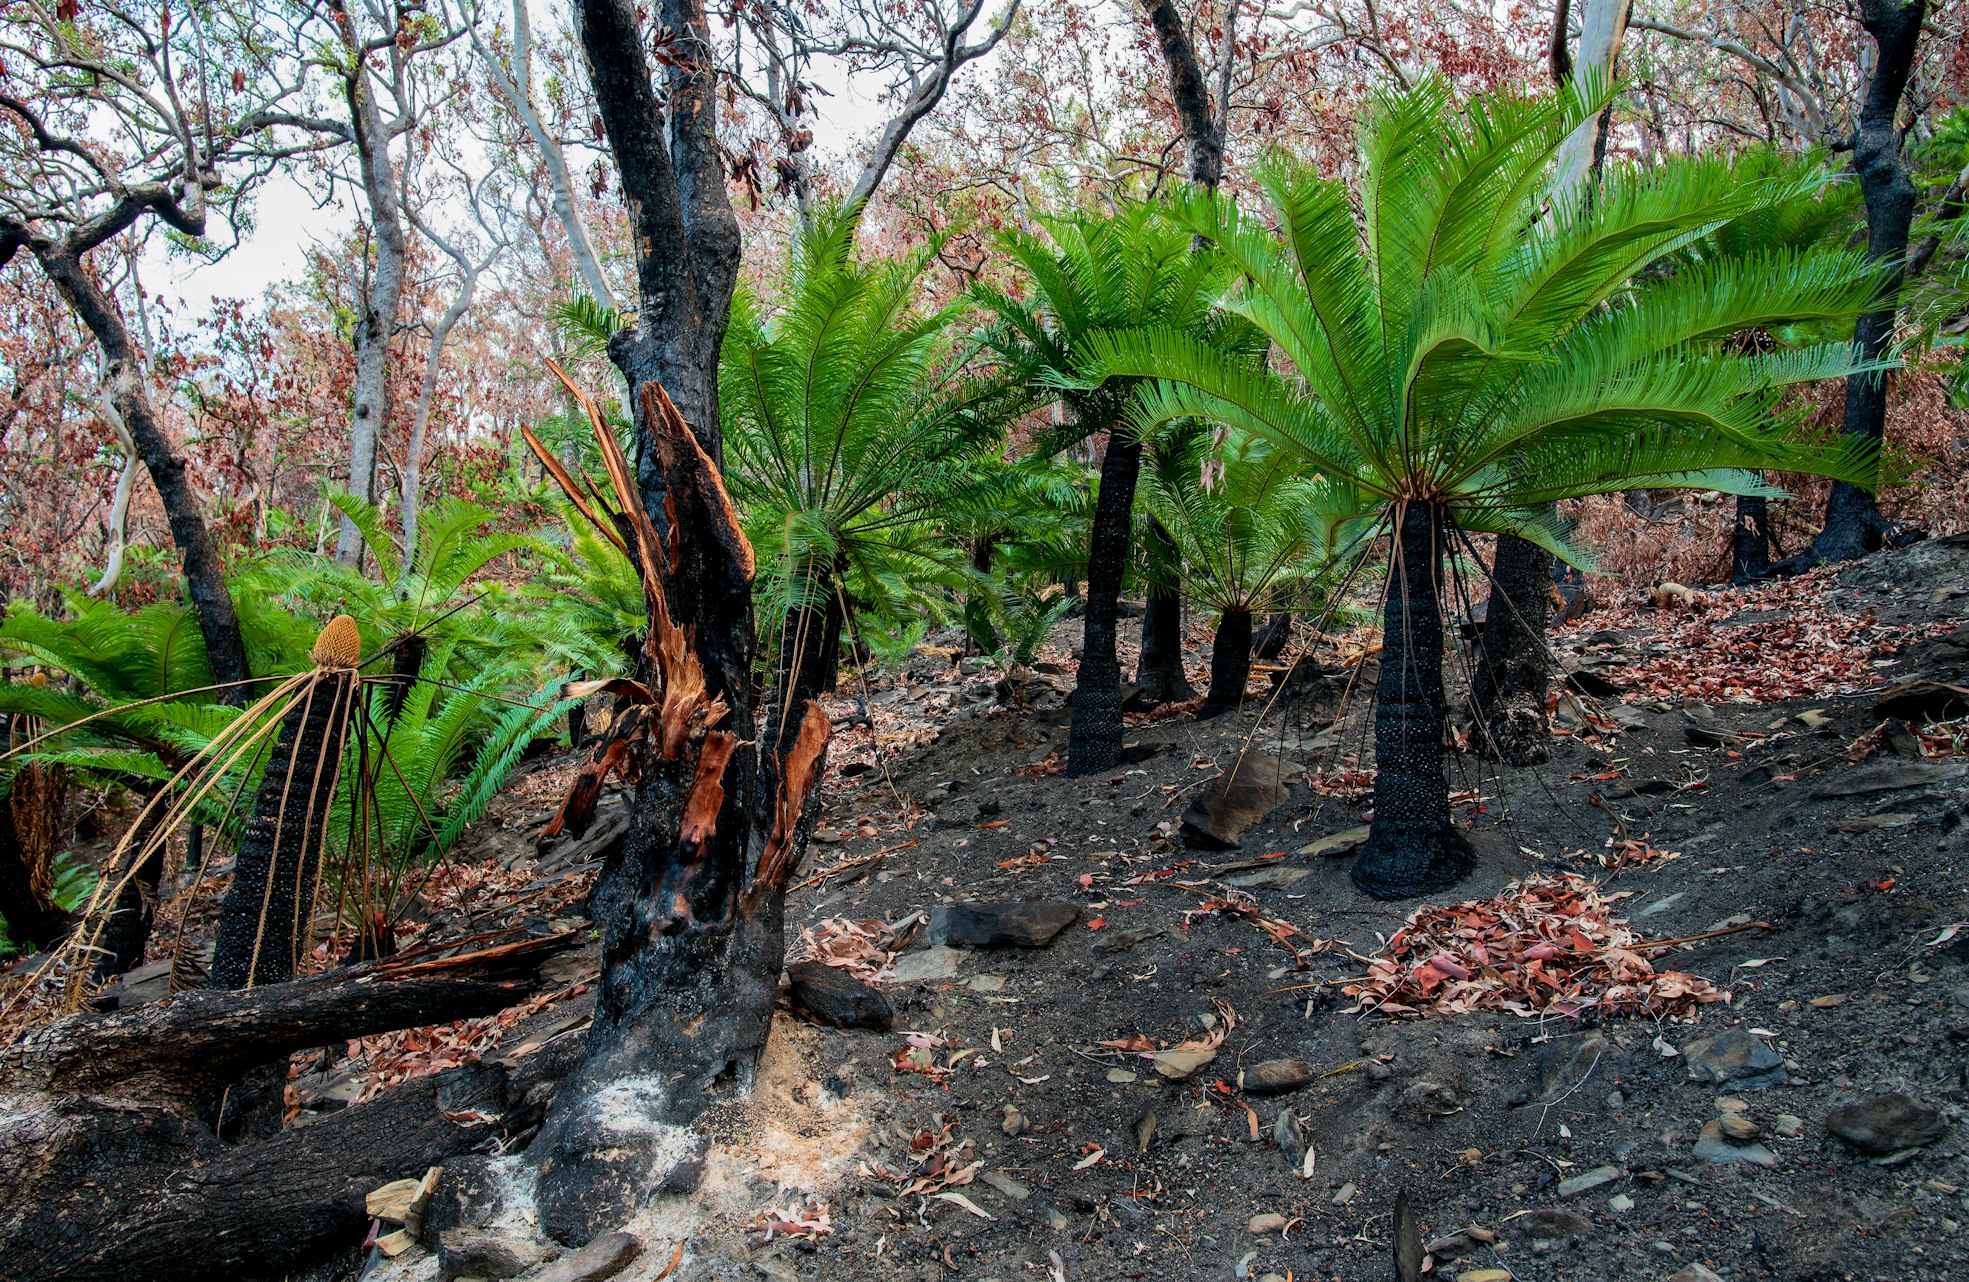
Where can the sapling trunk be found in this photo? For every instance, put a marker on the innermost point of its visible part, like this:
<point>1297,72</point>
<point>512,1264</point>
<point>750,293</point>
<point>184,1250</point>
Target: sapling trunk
<point>1272,638</point>
<point>264,920</point>
<point>1412,846</point>
<point>1094,734</point>
<point>1230,664</point>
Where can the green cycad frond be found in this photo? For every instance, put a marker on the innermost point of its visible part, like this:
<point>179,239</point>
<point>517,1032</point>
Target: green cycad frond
<point>1252,529</point>
<point>852,422</point>
<point>1468,342</point>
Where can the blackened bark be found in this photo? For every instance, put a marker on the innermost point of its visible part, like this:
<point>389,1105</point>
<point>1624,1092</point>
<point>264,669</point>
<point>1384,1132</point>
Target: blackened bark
<point>1094,734</point>
<point>1202,135</point>
<point>205,580</point>
<point>265,917</point>
<point>1159,675</point>
<point>980,636</point>
<point>406,665</point>
<point>126,931</point>
<point>1750,540</point>
<point>33,920</point>
<point>1513,669</point>
<point>1273,637</point>
<point>1230,664</point>
<point>1853,523</point>
<point>1412,846</point>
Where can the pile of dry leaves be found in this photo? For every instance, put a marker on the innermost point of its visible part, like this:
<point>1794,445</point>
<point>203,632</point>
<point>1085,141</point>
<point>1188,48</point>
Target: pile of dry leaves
<point>1544,946</point>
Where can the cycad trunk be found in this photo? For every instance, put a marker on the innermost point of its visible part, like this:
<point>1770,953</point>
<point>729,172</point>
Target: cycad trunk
<point>1159,675</point>
<point>808,665</point>
<point>1412,846</point>
<point>31,823</point>
<point>980,636</point>
<point>1513,672</point>
<point>263,922</point>
<point>1230,663</point>
<point>1750,542</point>
<point>1094,736</point>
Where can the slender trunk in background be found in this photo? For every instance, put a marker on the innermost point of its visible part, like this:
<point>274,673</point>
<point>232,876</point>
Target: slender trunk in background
<point>376,327</point>
<point>1751,540</point>
<point>1159,675</point>
<point>1230,664</point>
<point>979,634</point>
<point>413,455</point>
<point>1853,523</point>
<point>1512,666</point>
<point>1602,25</point>
<point>1413,847</point>
<point>126,390</point>
<point>1094,733</point>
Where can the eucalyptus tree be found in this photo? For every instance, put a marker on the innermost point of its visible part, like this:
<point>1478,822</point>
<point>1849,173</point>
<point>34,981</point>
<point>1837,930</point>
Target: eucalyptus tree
<point>123,117</point>
<point>1460,355</point>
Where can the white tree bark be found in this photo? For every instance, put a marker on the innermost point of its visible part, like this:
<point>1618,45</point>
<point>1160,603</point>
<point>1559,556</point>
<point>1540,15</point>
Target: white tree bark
<point>1602,24</point>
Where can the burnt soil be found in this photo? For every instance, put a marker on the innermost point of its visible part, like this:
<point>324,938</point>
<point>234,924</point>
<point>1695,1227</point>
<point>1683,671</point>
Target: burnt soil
<point>1797,812</point>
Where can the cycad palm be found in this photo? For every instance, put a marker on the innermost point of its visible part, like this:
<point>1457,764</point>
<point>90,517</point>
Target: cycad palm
<point>1094,278</point>
<point>1462,355</point>
<point>849,420</point>
<point>1256,531</point>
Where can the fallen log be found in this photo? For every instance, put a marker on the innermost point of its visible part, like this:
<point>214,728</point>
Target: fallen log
<point>114,1176</point>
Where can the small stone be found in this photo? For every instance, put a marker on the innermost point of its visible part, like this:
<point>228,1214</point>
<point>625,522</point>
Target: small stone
<point>832,997</point>
<point>1711,1147</point>
<point>1117,941</point>
<point>485,1253</point>
<point>1620,1203</point>
<point>1736,1057</point>
<point>1431,1099</point>
<point>1029,924</point>
<point>1695,1273</point>
<point>1269,1222</point>
<point>1275,1077</point>
<point>926,965</point>
<point>1887,1124</point>
<point>1598,1177</point>
<point>1120,1076</point>
<point>1789,1125</point>
<point>1179,1064</point>
<point>1013,1123</point>
<point>1345,1194</point>
<point>1007,1185</point>
<point>987,984</point>
<point>828,836</point>
<point>604,1257</point>
<point>1484,1275</point>
<point>1552,1224</point>
<point>1737,1128</point>
<point>1451,1246</point>
<point>1235,804</point>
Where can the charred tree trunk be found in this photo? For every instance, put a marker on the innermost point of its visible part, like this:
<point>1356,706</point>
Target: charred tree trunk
<point>125,933</point>
<point>265,917</point>
<point>1094,733</point>
<point>1853,523</point>
<point>1273,637</point>
<point>27,863</point>
<point>1159,675</point>
<point>111,1173</point>
<point>1413,848</point>
<point>1513,669</point>
<point>205,580</point>
<point>406,665</point>
<point>1751,540</point>
<point>1230,664</point>
<point>689,914</point>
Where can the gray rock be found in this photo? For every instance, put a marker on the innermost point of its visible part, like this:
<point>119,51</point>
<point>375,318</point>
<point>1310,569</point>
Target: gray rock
<point>1118,941</point>
<point>925,965</point>
<point>831,996</point>
<point>1663,904</point>
<point>485,1253</point>
<point>1568,1063</point>
<point>1337,845</point>
<point>1695,1273</point>
<point>1006,1184</point>
<point>604,1257</point>
<point>1431,1099</point>
<point>1031,923</point>
<point>1736,1057</point>
<point>1597,1178</point>
<point>1887,1124</point>
<point>1276,1077</point>
<point>1711,1146</point>
<point>1887,776</point>
<point>1234,805</point>
<point>1551,1224</point>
